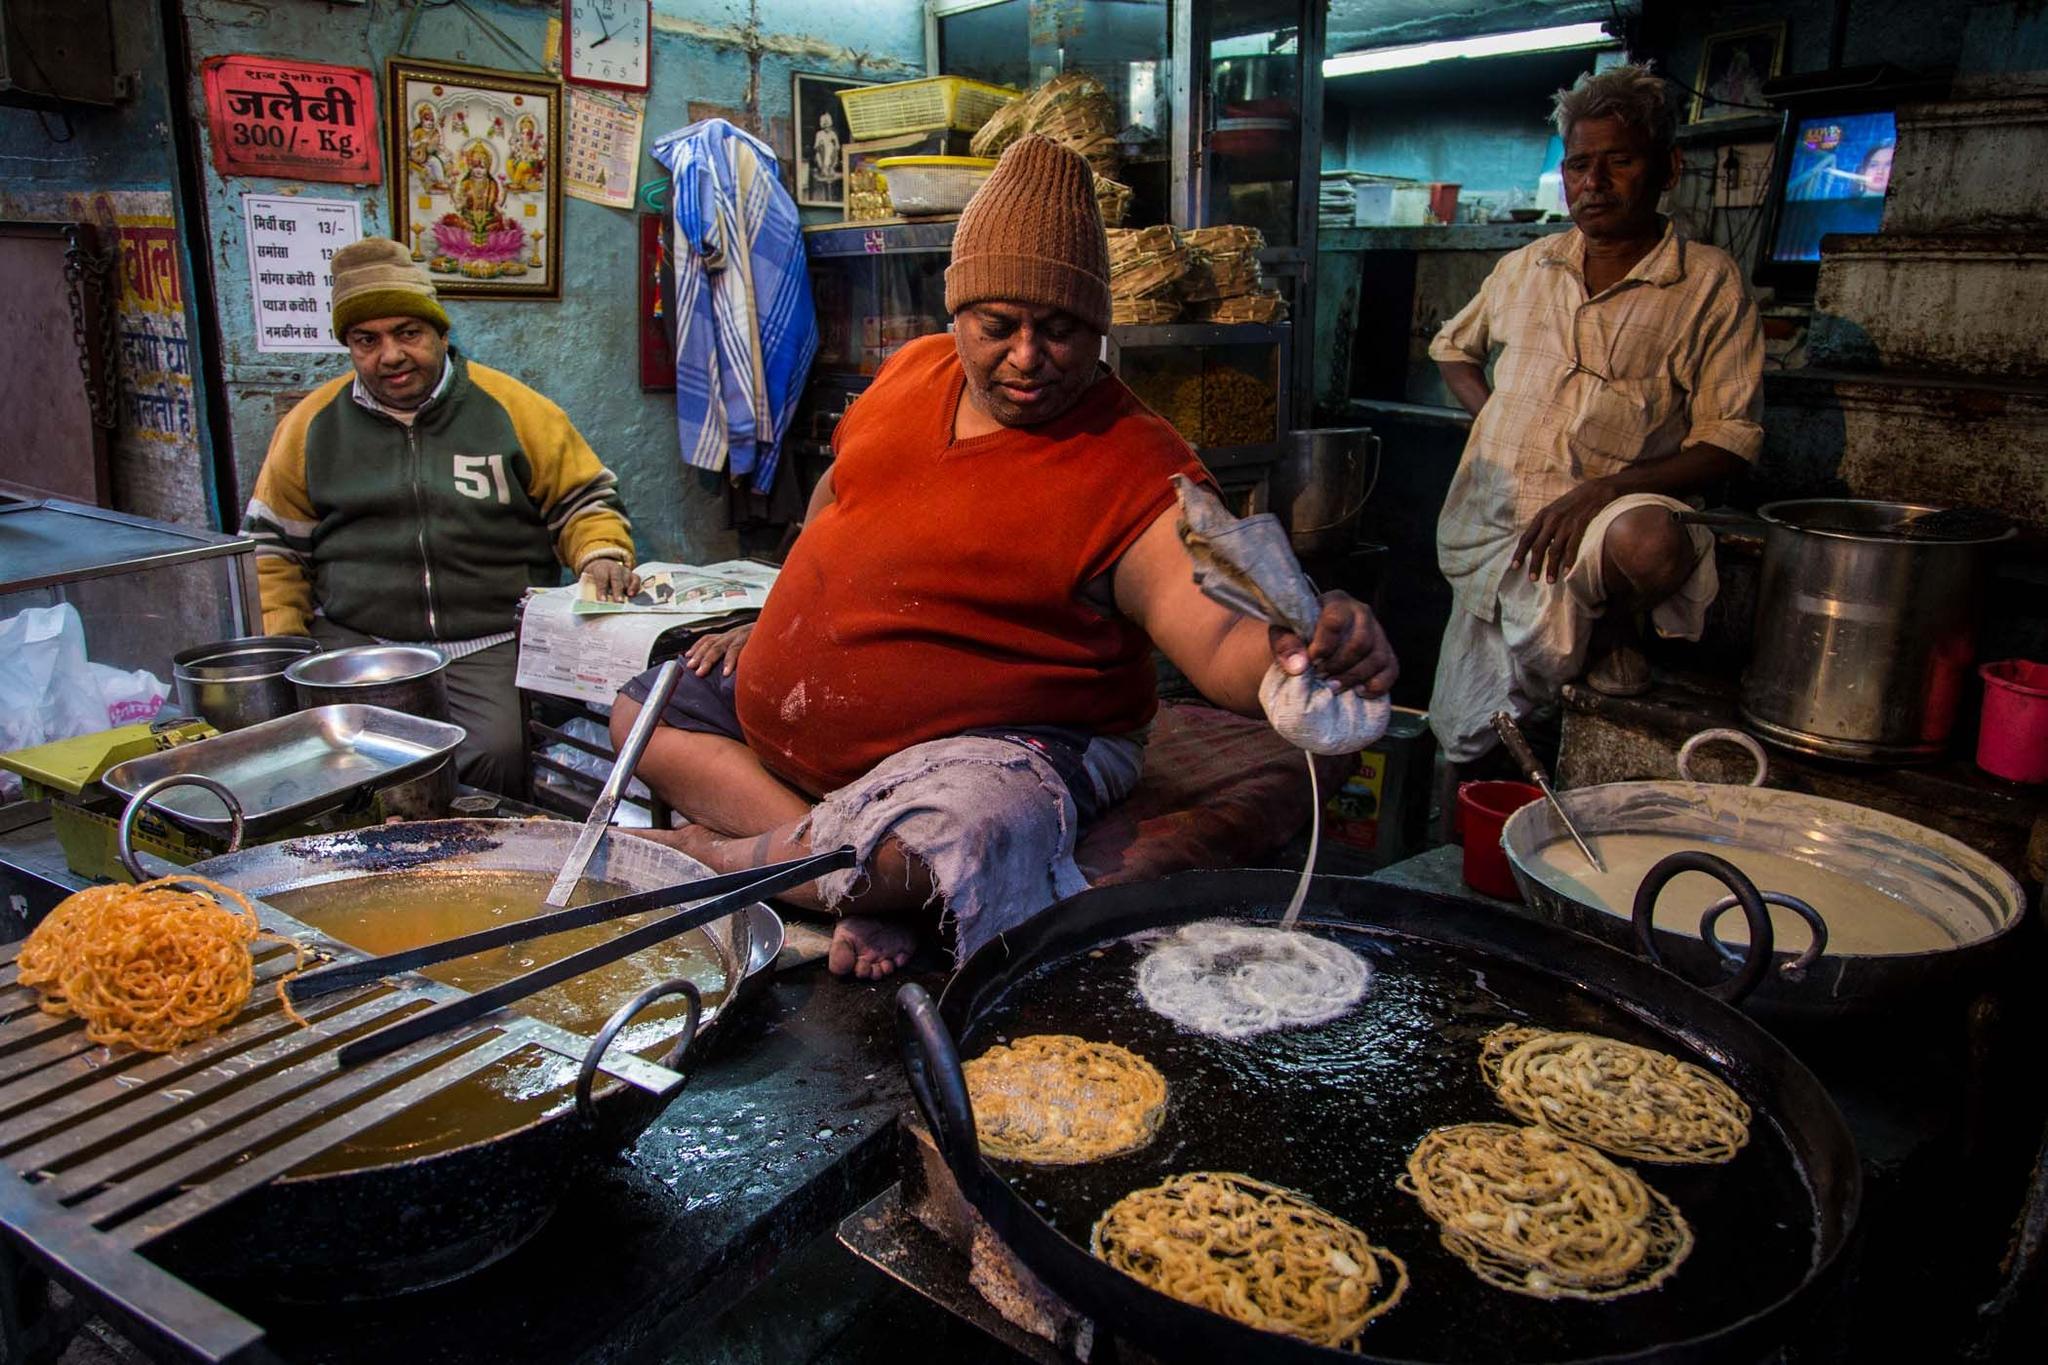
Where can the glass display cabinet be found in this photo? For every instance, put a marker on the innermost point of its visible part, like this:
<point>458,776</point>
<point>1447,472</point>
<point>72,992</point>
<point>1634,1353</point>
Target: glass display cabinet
<point>1224,386</point>
<point>143,589</point>
<point>1221,108</point>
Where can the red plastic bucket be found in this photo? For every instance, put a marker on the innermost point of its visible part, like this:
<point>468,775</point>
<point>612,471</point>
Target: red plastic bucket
<point>2013,740</point>
<point>1483,807</point>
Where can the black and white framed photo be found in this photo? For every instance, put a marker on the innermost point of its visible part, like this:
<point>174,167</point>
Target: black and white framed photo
<point>818,128</point>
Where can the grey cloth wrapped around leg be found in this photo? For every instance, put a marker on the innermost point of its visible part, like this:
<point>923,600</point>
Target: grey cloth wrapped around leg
<point>1248,565</point>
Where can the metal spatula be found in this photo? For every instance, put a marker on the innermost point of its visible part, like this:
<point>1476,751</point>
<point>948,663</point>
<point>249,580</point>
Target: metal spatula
<point>615,785</point>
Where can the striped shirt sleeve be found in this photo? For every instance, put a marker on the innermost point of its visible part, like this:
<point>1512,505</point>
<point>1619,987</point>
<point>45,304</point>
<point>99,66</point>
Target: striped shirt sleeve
<point>1468,337</point>
<point>1726,384</point>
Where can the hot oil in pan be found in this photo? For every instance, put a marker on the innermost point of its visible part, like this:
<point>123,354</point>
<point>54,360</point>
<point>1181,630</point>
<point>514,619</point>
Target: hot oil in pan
<point>1334,1110</point>
<point>387,912</point>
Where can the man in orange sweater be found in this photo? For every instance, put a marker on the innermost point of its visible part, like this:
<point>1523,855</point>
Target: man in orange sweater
<point>953,672</point>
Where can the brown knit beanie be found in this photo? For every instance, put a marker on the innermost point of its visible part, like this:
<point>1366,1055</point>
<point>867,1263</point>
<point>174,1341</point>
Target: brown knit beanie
<point>1032,234</point>
<point>376,278</point>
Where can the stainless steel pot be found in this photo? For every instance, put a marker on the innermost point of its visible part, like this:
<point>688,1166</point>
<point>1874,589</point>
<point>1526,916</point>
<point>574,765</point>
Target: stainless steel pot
<point>1866,626</point>
<point>237,683</point>
<point>1323,484</point>
<point>408,678</point>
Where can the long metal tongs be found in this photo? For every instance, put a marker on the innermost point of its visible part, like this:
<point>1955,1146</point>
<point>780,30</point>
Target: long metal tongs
<point>751,886</point>
<point>345,975</point>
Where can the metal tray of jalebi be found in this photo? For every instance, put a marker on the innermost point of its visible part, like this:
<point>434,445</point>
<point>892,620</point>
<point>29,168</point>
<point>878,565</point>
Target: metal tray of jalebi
<point>292,768</point>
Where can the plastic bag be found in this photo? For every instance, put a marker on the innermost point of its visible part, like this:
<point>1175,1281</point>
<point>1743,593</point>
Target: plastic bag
<point>49,690</point>
<point>633,809</point>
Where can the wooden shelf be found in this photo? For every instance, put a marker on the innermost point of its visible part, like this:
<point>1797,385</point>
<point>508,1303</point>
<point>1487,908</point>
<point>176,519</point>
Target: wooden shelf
<point>1451,237</point>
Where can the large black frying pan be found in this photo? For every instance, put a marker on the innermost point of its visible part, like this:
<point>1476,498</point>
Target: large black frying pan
<point>1333,1111</point>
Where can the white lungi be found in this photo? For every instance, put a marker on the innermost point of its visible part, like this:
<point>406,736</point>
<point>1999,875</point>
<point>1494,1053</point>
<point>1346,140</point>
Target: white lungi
<point>1535,641</point>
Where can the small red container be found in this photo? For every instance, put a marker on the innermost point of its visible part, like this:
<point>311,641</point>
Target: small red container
<point>1443,200</point>
<point>1483,807</point>
<point>2013,740</point>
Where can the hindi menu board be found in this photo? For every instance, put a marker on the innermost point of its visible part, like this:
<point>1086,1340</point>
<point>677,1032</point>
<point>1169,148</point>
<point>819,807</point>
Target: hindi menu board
<point>603,161</point>
<point>292,242</point>
<point>295,120</point>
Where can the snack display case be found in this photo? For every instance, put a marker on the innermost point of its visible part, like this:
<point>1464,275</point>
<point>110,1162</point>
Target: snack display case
<point>1222,386</point>
<point>143,589</point>
<point>1220,114</point>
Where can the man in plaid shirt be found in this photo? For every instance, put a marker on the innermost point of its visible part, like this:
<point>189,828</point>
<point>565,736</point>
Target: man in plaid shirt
<point>1628,378</point>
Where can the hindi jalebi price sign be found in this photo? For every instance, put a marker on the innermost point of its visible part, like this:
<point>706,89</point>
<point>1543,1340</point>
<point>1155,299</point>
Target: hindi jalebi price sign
<point>294,120</point>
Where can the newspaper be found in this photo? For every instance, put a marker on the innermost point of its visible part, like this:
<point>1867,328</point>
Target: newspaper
<point>686,590</point>
<point>568,652</point>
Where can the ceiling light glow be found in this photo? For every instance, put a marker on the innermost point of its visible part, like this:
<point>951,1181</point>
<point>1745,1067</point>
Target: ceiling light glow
<point>1554,39</point>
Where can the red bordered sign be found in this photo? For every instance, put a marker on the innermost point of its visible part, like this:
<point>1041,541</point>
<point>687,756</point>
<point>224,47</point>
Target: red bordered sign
<point>294,120</point>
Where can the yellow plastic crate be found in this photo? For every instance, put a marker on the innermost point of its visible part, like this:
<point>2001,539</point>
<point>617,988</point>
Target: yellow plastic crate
<point>920,106</point>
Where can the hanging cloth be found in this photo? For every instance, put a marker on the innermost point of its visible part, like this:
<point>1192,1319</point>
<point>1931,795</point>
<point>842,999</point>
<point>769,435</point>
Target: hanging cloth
<point>745,328</point>
<point>1248,565</point>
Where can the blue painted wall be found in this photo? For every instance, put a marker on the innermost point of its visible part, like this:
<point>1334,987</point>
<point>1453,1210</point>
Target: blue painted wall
<point>1482,147</point>
<point>121,148</point>
<point>1483,123</point>
<point>581,350</point>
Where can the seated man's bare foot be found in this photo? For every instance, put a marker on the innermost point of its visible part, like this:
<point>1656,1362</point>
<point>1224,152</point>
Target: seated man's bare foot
<point>870,947</point>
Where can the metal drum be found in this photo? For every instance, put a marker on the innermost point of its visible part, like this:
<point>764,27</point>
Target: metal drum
<point>1866,626</point>
<point>1323,484</point>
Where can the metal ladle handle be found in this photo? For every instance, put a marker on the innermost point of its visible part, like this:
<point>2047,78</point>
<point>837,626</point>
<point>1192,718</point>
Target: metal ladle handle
<point>586,1076</point>
<point>124,836</point>
<point>1756,961</point>
<point>932,1062</point>
<point>1517,745</point>
<point>1795,968</point>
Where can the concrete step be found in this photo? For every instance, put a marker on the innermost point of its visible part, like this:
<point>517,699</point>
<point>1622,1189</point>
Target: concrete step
<point>1946,302</point>
<point>1957,166</point>
<point>1909,438</point>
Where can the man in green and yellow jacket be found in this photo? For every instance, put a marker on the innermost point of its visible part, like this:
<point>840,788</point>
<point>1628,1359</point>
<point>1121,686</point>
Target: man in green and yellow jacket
<point>418,498</point>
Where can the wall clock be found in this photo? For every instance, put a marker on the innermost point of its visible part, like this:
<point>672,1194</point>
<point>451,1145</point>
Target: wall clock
<point>607,42</point>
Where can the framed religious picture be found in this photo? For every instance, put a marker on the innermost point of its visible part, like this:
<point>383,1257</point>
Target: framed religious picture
<point>1733,69</point>
<point>476,177</point>
<point>818,128</point>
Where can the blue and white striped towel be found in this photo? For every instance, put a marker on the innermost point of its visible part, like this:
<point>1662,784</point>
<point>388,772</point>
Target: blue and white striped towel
<point>745,328</point>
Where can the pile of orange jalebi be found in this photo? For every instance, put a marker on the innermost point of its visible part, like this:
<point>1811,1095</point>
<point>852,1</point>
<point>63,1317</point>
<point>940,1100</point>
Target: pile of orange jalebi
<point>154,966</point>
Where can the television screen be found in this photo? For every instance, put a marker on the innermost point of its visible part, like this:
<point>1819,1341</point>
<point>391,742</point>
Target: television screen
<point>1835,183</point>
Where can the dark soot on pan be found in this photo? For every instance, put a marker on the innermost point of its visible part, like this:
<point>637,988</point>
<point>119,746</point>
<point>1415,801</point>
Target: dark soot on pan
<point>1334,1110</point>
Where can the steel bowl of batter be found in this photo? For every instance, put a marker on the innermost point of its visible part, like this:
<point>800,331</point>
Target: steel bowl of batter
<point>1909,917</point>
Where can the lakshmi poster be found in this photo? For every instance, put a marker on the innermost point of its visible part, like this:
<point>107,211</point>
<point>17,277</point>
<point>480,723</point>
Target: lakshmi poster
<point>476,173</point>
